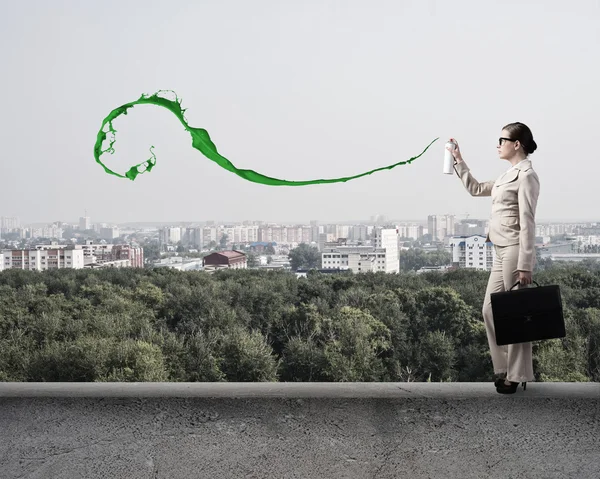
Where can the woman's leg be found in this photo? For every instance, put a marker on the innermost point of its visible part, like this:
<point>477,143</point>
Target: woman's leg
<point>495,285</point>
<point>520,359</point>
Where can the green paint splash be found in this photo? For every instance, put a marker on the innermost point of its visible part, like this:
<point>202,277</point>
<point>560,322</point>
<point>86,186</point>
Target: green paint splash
<point>201,141</point>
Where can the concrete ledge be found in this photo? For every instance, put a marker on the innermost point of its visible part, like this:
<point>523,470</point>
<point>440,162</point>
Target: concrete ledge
<point>293,390</point>
<point>298,430</point>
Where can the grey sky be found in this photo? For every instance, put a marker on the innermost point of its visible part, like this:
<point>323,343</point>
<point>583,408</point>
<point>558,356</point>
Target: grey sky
<point>296,90</point>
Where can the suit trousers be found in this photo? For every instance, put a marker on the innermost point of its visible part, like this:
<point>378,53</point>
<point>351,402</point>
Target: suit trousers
<point>515,360</point>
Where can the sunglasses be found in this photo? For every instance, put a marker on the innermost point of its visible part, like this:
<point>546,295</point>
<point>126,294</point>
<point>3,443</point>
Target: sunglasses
<point>502,140</point>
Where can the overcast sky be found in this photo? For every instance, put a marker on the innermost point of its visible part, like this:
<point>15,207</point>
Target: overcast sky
<point>297,90</point>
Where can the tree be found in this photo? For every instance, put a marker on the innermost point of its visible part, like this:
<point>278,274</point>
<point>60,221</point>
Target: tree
<point>129,324</point>
<point>223,241</point>
<point>303,360</point>
<point>437,356</point>
<point>90,234</point>
<point>151,251</point>
<point>305,257</point>
<point>245,356</point>
<point>10,236</point>
<point>356,341</point>
<point>252,260</point>
<point>415,258</point>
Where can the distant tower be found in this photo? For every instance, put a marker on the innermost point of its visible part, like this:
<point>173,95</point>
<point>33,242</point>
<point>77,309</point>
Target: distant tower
<point>84,222</point>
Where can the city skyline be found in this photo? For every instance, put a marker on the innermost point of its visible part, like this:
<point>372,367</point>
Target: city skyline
<point>169,222</point>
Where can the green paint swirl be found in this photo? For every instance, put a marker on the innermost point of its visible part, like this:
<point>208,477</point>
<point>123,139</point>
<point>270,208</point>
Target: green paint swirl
<point>201,141</point>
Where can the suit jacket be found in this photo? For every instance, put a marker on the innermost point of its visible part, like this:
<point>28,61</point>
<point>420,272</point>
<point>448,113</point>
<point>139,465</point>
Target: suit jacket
<point>514,200</point>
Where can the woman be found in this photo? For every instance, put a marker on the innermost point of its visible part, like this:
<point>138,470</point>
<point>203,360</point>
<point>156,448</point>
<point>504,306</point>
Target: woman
<point>512,232</point>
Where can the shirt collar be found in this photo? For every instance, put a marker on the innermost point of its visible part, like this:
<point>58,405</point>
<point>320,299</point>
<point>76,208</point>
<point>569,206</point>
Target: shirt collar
<point>520,164</point>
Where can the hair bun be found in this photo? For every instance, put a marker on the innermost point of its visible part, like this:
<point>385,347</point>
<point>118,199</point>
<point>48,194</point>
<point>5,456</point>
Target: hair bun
<point>533,146</point>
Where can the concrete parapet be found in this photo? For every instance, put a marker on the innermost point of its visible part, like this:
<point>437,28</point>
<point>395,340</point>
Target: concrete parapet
<point>298,430</point>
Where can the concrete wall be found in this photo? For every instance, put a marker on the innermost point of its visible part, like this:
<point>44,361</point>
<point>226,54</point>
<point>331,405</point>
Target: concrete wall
<point>300,430</point>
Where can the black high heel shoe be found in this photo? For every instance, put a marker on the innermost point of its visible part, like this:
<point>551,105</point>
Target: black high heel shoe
<point>500,380</point>
<point>504,389</point>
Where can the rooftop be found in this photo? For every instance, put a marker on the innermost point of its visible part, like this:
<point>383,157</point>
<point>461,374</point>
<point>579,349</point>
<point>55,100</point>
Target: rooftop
<point>230,253</point>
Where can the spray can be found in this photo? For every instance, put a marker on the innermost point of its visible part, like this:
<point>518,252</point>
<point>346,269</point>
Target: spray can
<point>448,158</point>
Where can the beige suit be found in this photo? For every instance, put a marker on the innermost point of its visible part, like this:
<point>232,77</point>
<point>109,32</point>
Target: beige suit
<point>512,231</point>
<point>514,200</point>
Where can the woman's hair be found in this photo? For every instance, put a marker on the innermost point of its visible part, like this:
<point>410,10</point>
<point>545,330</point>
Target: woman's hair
<point>521,132</point>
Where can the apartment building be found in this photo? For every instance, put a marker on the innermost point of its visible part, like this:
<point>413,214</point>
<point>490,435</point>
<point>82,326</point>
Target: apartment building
<point>471,227</point>
<point>109,233</point>
<point>123,255</point>
<point>126,255</point>
<point>170,235</point>
<point>440,226</point>
<point>85,223</point>
<point>387,239</point>
<point>294,234</point>
<point>8,224</point>
<point>381,255</point>
<point>472,252</point>
<point>410,230</point>
<point>43,259</point>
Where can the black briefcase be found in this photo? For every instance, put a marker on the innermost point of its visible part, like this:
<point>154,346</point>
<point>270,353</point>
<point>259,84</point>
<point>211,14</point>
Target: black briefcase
<point>528,314</point>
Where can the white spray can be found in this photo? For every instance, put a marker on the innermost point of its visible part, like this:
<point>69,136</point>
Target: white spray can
<point>448,158</point>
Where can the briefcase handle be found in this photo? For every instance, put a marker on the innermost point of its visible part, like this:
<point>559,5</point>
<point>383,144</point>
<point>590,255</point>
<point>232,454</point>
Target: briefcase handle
<point>518,282</point>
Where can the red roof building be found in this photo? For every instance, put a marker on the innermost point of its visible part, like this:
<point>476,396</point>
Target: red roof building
<point>225,259</point>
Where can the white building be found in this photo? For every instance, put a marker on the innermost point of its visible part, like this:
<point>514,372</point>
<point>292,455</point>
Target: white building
<point>85,223</point>
<point>359,233</point>
<point>170,235</point>
<point>43,259</point>
<point>177,262</point>
<point>192,236</point>
<point>472,252</point>
<point>587,240</point>
<point>238,234</point>
<point>342,231</point>
<point>9,223</point>
<point>209,234</point>
<point>1,261</point>
<point>291,234</point>
<point>428,269</point>
<point>410,230</point>
<point>381,256</point>
<point>556,229</point>
<point>572,257</point>
<point>95,255</point>
<point>440,226</point>
<point>109,233</point>
<point>356,258</point>
<point>323,239</point>
<point>244,234</point>
<point>49,231</point>
<point>471,227</point>
<point>119,263</point>
<point>387,239</point>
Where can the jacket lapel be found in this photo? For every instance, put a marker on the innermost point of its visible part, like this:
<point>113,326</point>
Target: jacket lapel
<point>508,177</point>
